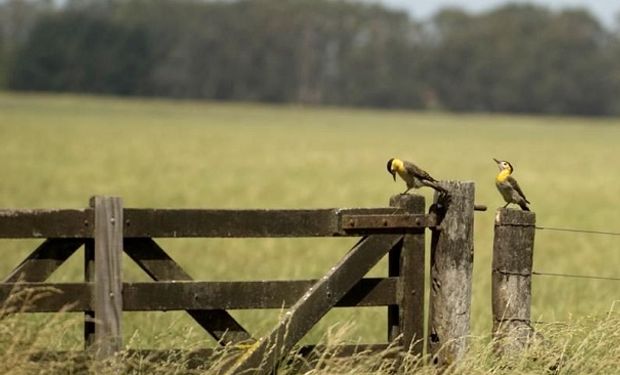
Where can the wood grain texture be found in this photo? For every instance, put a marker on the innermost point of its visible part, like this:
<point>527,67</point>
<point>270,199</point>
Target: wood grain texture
<point>159,266</point>
<point>513,250</point>
<point>452,253</point>
<point>263,357</point>
<point>407,262</point>
<point>108,280</point>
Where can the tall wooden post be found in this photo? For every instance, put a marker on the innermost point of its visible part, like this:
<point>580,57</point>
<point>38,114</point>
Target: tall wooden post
<point>452,253</point>
<point>108,236</point>
<point>513,249</point>
<point>407,262</point>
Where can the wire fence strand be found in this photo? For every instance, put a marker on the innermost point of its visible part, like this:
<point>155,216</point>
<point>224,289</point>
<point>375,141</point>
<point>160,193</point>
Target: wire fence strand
<point>587,231</point>
<point>573,276</point>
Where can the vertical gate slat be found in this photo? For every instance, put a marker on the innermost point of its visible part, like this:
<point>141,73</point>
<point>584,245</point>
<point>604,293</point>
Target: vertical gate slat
<point>89,277</point>
<point>108,281</point>
<point>407,261</point>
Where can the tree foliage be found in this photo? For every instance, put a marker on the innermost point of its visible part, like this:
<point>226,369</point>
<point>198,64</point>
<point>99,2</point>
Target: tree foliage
<point>517,58</point>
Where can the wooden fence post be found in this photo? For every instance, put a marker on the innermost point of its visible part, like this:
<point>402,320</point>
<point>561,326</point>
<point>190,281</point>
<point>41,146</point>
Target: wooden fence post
<point>407,262</point>
<point>108,238</point>
<point>513,248</point>
<point>452,253</point>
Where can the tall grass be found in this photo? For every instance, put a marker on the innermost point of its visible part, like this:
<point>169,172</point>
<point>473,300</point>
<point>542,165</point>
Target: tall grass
<point>57,151</point>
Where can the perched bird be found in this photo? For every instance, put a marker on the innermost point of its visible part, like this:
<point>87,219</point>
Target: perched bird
<point>508,186</point>
<point>413,176</point>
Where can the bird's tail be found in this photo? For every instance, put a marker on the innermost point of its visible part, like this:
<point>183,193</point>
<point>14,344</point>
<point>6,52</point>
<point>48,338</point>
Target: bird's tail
<point>524,206</point>
<point>435,185</point>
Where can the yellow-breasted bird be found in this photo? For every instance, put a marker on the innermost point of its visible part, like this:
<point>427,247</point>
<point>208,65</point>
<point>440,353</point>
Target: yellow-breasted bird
<point>414,176</point>
<point>508,186</point>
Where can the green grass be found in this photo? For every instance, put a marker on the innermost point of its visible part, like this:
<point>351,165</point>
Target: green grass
<point>57,151</point>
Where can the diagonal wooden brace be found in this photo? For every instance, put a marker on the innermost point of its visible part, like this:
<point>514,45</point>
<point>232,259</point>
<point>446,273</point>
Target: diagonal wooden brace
<point>44,260</point>
<point>263,356</point>
<point>160,267</point>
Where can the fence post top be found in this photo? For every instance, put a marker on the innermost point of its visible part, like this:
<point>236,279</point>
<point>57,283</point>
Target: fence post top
<point>408,201</point>
<point>98,198</point>
<point>511,216</point>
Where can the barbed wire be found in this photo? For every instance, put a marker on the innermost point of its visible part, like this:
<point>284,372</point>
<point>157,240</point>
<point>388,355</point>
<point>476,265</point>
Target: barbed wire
<point>587,231</point>
<point>574,276</point>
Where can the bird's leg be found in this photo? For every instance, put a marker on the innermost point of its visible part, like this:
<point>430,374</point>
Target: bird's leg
<point>506,205</point>
<point>406,191</point>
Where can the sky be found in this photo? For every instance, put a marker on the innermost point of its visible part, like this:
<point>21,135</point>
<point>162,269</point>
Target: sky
<point>605,10</point>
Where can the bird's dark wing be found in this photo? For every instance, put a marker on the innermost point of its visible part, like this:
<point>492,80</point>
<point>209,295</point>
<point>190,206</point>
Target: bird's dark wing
<point>417,171</point>
<point>516,186</point>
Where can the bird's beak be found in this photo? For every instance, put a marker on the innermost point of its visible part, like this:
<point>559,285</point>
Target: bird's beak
<point>394,175</point>
<point>497,161</point>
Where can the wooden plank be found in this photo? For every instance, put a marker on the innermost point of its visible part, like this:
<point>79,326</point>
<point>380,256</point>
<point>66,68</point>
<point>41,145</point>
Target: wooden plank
<point>263,356</point>
<point>397,223</point>
<point>201,295</point>
<point>211,223</point>
<point>407,262</point>
<point>513,250</point>
<point>246,295</point>
<point>89,277</point>
<point>108,279</point>
<point>159,266</point>
<point>44,260</point>
<point>452,253</point>
<point>50,297</point>
<point>268,223</point>
<point>231,223</point>
<point>46,223</point>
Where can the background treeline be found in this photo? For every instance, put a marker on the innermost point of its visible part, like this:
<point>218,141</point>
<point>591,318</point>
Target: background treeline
<point>517,58</point>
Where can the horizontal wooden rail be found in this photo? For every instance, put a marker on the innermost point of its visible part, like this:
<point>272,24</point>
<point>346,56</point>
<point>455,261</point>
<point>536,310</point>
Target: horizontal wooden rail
<point>160,223</point>
<point>47,223</point>
<point>192,295</point>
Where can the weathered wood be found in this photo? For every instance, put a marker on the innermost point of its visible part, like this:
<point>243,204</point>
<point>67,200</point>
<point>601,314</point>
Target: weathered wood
<point>108,280</point>
<point>396,223</point>
<point>407,262</point>
<point>246,294</point>
<point>263,356</point>
<point>230,223</point>
<point>212,223</point>
<point>452,253</point>
<point>46,223</point>
<point>199,295</point>
<point>89,277</point>
<point>159,266</point>
<point>513,249</point>
<point>50,297</point>
<point>42,262</point>
<point>268,223</point>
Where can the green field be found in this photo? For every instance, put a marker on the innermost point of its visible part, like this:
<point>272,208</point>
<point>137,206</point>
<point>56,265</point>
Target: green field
<point>57,151</point>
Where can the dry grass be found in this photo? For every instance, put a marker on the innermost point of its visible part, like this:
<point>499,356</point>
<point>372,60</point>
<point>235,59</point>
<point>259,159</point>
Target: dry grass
<point>56,151</point>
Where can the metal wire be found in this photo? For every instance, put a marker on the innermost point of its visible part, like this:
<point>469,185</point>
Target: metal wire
<point>567,275</point>
<point>578,231</point>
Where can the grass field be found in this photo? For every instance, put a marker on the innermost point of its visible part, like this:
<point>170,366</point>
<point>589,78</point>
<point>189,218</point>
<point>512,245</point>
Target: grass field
<point>57,151</point>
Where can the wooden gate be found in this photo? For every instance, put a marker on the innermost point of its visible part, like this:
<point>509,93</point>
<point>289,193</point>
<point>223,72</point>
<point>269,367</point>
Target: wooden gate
<point>106,229</point>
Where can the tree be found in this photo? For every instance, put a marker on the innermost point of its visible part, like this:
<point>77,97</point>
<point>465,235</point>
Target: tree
<point>76,51</point>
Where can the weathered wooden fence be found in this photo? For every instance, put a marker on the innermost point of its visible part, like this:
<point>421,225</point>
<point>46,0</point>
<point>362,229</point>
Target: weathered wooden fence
<point>106,229</point>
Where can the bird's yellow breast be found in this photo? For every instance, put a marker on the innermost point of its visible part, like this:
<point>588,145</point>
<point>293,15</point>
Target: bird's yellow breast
<point>502,176</point>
